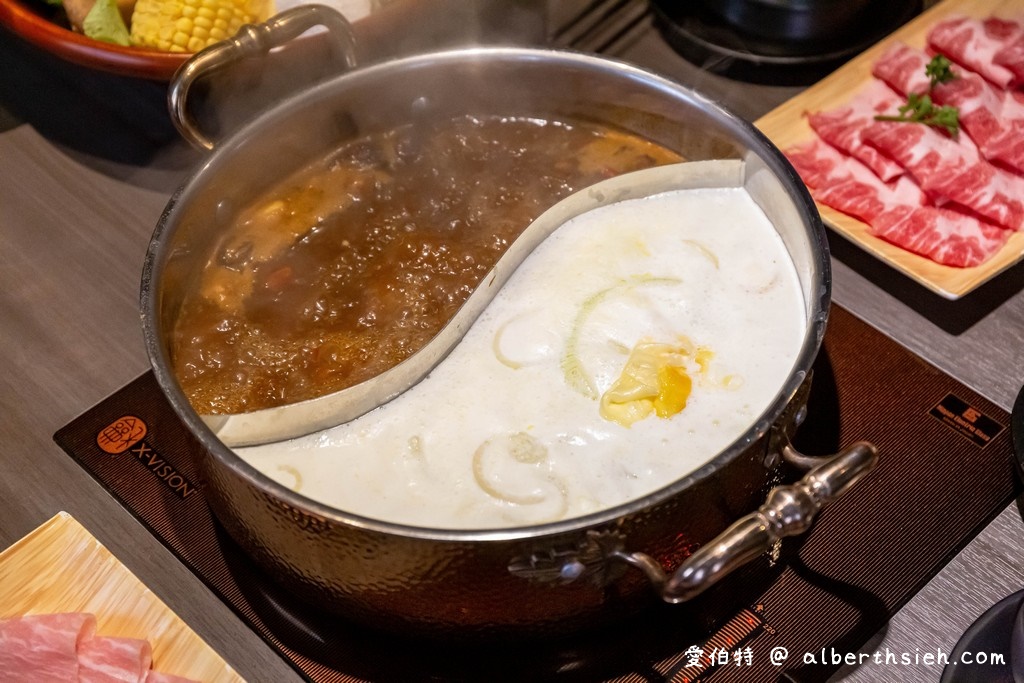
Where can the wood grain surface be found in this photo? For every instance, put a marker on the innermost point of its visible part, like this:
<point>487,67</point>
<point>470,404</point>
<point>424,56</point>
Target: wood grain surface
<point>61,567</point>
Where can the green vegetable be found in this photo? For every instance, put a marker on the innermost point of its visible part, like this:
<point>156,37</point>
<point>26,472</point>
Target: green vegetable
<point>938,70</point>
<point>104,22</point>
<point>920,108</point>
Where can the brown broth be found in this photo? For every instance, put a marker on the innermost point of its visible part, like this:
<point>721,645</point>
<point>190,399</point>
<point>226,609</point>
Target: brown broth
<point>355,263</point>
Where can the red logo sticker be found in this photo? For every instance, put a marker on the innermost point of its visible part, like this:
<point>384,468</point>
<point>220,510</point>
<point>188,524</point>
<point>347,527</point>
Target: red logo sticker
<point>122,434</point>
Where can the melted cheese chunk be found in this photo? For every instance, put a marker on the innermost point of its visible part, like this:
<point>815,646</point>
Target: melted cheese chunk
<point>636,343</point>
<point>655,380</point>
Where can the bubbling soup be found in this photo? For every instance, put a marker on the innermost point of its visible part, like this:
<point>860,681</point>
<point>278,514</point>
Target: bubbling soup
<point>635,343</point>
<point>355,263</point>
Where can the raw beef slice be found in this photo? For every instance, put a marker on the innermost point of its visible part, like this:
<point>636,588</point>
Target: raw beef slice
<point>107,659</point>
<point>43,648</point>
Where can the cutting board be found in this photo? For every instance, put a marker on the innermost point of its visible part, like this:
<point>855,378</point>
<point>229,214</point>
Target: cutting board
<point>787,126</point>
<point>61,567</point>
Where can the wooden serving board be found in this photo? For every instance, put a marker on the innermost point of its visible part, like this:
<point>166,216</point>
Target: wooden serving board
<point>787,126</point>
<point>61,567</point>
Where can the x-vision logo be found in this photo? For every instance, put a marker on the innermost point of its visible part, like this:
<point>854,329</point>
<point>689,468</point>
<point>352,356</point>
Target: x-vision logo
<point>127,434</point>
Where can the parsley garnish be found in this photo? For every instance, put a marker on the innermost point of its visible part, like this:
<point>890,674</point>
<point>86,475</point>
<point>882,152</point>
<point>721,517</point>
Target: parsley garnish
<point>920,108</point>
<point>938,70</point>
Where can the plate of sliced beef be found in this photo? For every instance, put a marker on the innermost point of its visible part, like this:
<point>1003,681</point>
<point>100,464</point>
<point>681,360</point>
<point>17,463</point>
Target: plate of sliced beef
<point>70,611</point>
<point>914,150</point>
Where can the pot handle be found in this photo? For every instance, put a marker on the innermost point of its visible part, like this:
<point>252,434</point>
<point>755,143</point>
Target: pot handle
<point>788,511</point>
<point>253,40</point>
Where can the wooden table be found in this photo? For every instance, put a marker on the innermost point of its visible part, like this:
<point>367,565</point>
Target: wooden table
<point>88,162</point>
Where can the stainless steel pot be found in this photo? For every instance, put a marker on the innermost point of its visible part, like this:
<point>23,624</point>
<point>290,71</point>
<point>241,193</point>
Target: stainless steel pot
<point>554,576</point>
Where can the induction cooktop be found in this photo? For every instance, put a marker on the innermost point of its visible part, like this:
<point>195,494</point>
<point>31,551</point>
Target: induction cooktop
<point>831,590</point>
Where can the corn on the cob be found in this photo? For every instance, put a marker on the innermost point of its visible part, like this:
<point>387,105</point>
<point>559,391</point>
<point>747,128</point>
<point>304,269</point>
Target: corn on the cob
<point>191,25</point>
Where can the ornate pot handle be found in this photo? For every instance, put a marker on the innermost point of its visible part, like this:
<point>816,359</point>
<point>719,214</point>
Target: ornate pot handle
<point>254,40</point>
<point>788,511</point>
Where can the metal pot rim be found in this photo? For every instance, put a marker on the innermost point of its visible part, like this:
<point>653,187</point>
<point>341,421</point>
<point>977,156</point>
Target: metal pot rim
<point>770,155</point>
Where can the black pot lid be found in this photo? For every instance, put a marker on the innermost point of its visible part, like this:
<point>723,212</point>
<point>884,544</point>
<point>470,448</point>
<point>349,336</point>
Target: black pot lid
<point>992,633</point>
<point>1017,429</point>
<point>711,42</point>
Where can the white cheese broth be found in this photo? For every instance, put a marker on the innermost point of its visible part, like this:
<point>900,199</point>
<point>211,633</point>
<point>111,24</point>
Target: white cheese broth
<point>511,429</point>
